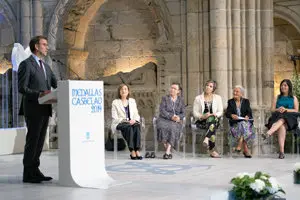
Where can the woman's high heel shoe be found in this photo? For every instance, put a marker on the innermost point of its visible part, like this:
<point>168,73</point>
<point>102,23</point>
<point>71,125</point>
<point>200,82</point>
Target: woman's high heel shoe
<point>247,155</point>
<point>165,156</point>
<point>152,155</point>
<point>133,158</point>
<point>147,155</point>
<point>139,157</point>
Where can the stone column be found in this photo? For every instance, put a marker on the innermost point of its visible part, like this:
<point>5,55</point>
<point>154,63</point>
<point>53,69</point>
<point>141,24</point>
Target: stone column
<point>258,54</point>
<point>218,43</point>
<point>243,44</point>
<point>251,51</point>
<point>267,51</point>
<point>25,24</point>
<point>236,43</point>
<point>76,63</point>
<point>193,73</point>
<point>37,18</point>
<point>204,43</point>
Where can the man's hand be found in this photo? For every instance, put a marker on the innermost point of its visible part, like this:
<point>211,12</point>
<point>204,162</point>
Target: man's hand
<point>45,93</point>
<point>246,118</point>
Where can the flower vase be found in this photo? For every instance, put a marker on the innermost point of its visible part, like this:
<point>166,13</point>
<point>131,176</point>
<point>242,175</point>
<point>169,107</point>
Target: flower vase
<point>231,196</point>
<point>296,177</point>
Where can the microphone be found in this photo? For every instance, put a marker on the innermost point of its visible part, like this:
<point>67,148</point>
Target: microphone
<point>71,70</point>
<point>293,57</point>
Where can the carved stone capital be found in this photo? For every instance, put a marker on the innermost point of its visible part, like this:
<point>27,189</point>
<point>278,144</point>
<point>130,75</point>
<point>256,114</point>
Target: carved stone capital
<point>78,54</point>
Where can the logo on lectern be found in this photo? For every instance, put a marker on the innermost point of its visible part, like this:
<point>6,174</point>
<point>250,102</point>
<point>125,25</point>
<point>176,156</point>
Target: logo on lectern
<point>87,135</point>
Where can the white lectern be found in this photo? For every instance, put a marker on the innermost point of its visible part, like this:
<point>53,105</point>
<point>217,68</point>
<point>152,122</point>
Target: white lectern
<point>80,107</point>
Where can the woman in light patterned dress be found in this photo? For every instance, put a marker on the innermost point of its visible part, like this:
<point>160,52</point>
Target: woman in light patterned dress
<point>240,118</point>
<point>169,122</point>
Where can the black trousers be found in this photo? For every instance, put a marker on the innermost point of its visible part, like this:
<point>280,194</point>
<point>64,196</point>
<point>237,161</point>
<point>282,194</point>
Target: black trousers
<point>35,138</point>
<point>132,135</point>
<point>211,127</point>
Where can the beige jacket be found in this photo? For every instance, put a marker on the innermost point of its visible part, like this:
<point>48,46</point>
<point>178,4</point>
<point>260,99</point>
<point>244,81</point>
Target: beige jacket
<point>198,108</point>
<point>118,112</point>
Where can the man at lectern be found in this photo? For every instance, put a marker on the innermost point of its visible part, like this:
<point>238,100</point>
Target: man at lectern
<point>35,79</point>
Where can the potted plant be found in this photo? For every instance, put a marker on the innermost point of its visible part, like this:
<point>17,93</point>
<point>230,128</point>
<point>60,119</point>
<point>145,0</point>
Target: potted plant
<point>254,186</point>
<point>297,173</point>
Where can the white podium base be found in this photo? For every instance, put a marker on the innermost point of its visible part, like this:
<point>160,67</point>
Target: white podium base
<point>97,183</point>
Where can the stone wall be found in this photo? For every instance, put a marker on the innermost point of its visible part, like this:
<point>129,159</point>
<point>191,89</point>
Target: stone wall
<point>120,38</point>
<point>287,40</point>
<point>6,38</point>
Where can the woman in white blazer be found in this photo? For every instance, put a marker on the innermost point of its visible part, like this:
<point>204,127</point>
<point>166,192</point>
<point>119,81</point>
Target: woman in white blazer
<point>207,110</point>
<point>125,117</point>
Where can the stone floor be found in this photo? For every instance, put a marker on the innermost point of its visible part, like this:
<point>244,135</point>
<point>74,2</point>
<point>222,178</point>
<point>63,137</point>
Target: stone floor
<point>199,178</point>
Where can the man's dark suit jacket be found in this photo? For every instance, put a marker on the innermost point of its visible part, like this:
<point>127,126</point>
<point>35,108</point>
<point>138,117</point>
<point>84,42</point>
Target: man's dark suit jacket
<point>245,110</point>
<point>31,82</point>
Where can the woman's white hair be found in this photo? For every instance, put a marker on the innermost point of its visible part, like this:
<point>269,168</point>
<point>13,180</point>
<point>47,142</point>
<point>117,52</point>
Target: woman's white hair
<point>242,89</point>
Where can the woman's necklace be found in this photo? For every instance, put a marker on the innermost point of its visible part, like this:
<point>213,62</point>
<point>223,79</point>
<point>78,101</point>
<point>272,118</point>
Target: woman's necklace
<point>208,97</point>
<point>125,102</point>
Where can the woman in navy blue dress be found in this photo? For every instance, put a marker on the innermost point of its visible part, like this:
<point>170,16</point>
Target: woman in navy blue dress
<point>284,114</point>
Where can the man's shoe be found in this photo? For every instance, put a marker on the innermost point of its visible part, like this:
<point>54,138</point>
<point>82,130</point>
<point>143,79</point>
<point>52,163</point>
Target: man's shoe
<point>40,175</point>
<point>32,180</point>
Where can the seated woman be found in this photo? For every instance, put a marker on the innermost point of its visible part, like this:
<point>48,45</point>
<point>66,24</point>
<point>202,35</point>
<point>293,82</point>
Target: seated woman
<point>241,130</point>
<point>125,117</point>
<point>207,110</point>
<point>284,116</point>
<point>169,122</point>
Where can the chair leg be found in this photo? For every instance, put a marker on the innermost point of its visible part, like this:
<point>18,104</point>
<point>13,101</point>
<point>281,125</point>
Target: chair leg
<point>143,135</point>
<point>183,146</point>
<point>293,145</point>
<point>115,146</point>
<point>193,144</point>
<point>230,145</point>
<point>258,143</point>
<point>297,146</point>
<point>155,142</point>
<point>222,142</point>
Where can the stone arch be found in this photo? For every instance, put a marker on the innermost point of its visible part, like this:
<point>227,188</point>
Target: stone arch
<point>6,11</point>
<point>288,15</point>
<point>77,14</point>
<point>157,7</point>
<point>286,42</point>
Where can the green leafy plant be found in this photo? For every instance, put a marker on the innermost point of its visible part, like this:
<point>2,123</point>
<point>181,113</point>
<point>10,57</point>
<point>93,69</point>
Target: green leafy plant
<point>296,85</point>
<point>255,186</point>
<point>297,168</point>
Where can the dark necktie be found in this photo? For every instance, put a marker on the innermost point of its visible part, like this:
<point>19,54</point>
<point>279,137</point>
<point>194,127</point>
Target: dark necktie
<point>41,66</point>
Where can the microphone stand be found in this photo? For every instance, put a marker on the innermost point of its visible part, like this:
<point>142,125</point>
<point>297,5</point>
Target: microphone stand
<point>70,69</point>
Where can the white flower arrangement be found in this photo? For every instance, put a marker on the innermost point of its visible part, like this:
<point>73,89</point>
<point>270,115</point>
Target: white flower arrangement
<point>297,168</point>
<point>254,186</point>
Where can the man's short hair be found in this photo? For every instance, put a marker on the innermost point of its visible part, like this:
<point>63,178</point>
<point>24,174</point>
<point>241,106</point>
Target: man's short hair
<point>35,40</point>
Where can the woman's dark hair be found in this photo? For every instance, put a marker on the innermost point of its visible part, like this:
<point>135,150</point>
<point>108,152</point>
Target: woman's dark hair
<point>119,89</point>
<point>289,83</point>
<point>213,82</point>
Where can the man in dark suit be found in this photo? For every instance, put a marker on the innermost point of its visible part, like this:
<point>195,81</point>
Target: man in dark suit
<point>35,79</point>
